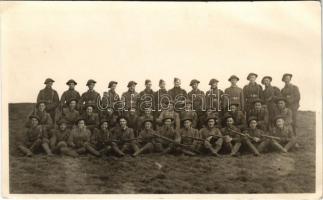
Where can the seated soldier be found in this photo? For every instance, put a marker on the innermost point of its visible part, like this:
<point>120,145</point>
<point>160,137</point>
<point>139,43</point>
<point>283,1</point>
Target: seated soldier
<point>70,113</point>
<point>58,140</point>
<point>287,139</point>
<point>123,138</point>
<point>203,118</point>
<point>212,136</point>
<point>238,117</point>
<point>189,135</point>
<point>146,139</point>
<point>101,138</point>
<point>253,136</point>
<point>35,138</point>
<point>169,132</point>
<point>45,119</point>
<point>282,110</point>
<point>110,115</point>
<point>91,118</point>
<point>132,118</point>
<point>147,115</point>
<point>188,110</point>
<point>79,139</point>
<point>232,140</point>
<point>261,114</point>
<point>169,112</point>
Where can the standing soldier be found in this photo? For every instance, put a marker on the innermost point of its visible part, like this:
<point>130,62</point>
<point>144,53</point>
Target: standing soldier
<point>146,97</point>
<point>260,113</point>
<point>170,112</point>
<point>112,98</point>
<point>235,93</point>
<point>197,97</point>
<point>90,96</point>
<point>79,139</point>
<point>69,94</point>
<point>292,95</point>
<point>50,97</point>
<point>130,97</point>
<point>238,117</point>
<point>212,136</point>
<point>91,118</point>
<point>44,118</point>
<point>59,138</point>
<point>270,94</point>
<point>189,135</point>
<point>251,91</point>
<point>101,138</point>
<point>35,138</point>
<point>282,110</point>
<point>178,95</point>
<point>214,97</point>
<point>70,114</point>
<point>161,97</point>
<point>232,140</point>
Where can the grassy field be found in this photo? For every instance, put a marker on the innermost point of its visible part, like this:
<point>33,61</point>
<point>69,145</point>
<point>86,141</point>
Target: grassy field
<point>269,173</point>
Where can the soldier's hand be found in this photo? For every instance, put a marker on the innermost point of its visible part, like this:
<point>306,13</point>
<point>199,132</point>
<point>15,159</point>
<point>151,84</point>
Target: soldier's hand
<point>209,138</point>
<point>256,139</point>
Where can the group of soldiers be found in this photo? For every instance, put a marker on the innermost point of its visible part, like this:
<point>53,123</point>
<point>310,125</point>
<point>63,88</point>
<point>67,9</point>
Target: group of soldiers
<point>217,122</point>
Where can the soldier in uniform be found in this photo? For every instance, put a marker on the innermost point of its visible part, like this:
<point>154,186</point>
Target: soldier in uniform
<point>130,97</point>
<point>253,136</point>
<point>202,119</point>
<point>270,94</point>
<point>238,117</point>
<point>235,93</point>
<point>79,139</point>
<point>112,98</point>
<point>170,111</point>
<point>261,114</point>
<point>161,97</point>
<point>189,135</point>
<point>251,91</point>
<point>292,95</point>
<point>70,114</point>
<point>50,97</point>
<point>197,97</point>
<point>281,109</point>
<point>69,94</point>
<point>146,139</point>
<point>188,111</point>
<point>231,140</point>
<point>212,136</point>
<point>178,95</point>
<point>59,138</point>
<point>101,138</point>
<point>169,132</point>
<point>90,96</point>
<point>36,138</point>
<point>147,115</point>
<point>146,97</point>
<point>285,133</point>
<point>122,137</point>
<point>91,118</point>
<point>45,119</point>
<point>214,97</point>
<point>110,116</point>
<point>132,120</point>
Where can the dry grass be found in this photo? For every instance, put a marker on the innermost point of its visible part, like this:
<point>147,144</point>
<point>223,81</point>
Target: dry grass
<point>269,173</point>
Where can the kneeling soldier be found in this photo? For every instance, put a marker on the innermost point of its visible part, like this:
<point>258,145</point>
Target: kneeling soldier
<point>232,139</point>
<point>287,139</point>
<point>36,138</point>
<point>123,138</point>
<point>146,137</point>
<point>79,139</point>
<point>212,136</point>
<point>58,141</point>
<point>189,135</point>
<point>101,138</point>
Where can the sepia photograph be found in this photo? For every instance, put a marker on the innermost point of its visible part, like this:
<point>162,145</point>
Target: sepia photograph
<point>161,98</point>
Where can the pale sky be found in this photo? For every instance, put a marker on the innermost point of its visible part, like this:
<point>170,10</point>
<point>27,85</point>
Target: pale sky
<point>125,41</point>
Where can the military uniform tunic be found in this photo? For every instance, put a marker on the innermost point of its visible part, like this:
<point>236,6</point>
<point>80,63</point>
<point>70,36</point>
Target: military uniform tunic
<point>51,99</point>
<point>79,137</point>
<point>130,99</point>
<point>262,117</point>
<point>235,95</point>
<point>250,93</point>
<point>214,99</point>
<point>68,95</point>
<point>198,100</point>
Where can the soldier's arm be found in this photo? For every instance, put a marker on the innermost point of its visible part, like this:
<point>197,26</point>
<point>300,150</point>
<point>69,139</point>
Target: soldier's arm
<point>242,101</point>
<point>177,121</point>
<point>297,94</point>
<point>195,118</point>
<point>266,118</point>
<point>70,140</point>
<point>177,136</point>
<point>289,116</point>
<point>39,96</point>
<point>63,99</point>
<point>49,121</point>
<point>93,138</point>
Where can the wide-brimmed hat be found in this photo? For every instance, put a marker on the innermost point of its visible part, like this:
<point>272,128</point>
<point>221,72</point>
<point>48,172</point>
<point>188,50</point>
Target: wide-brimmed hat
<point>71,81</point>
<point>49,80</point>
<point>212,81</point>
<point>61,121</point>
<point>233,77</point>
<point>34,117</point>
<point>194,81</point>
<point>111,83</point>
<point>252,74</point>
<point>266,77</point>
<point>287,74</point>
<point>131,83</point>
<point>90,81</point>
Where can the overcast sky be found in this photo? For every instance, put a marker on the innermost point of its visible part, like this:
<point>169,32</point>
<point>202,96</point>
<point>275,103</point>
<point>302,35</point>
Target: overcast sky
<point>135,41</point>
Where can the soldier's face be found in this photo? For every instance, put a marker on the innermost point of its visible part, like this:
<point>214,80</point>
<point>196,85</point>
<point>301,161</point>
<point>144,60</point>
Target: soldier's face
<point>252,78</point>
<point>168,122</point>
<point>280,123</point>
<point>89,109</point>
<point>187,124</point>
<point>253,124</point>
<point>258,106</point>
<point>147,111</point>
<point>162,85</point>
<point>148,85</point>
<point>234,81</point>
<point>266,81</point>
<point>91,86</point>
<point>230,121</point>
<point>42,107</point>
<point>62,126</point>
<point>34,122</point>
<point>50,84</point>
<point>71,85</point>
<point>72,104</point>
<point>177,83</point>
<point>147,125</point>
<point>287,79</point>
<point>104,125</point>
<point>188,106</point>
<point>132,112</point>
<point>170,106</point>
<point>195,86</point>
<point>211,123</point>
<point>209,111</point>
<point>281,104</point>
<point>233,108</point>
<point>113,86</point>
<point>123,123</point>
<point>81,124</point>
<point>214,85</point>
